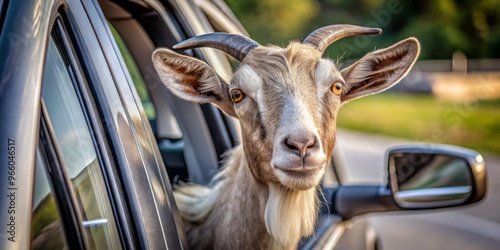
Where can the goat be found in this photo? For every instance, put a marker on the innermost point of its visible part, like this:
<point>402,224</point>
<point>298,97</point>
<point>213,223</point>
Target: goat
<point>286,100</point>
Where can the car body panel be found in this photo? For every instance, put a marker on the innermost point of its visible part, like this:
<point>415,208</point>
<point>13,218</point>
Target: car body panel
<point>138,162</point>
<point>24,36</point>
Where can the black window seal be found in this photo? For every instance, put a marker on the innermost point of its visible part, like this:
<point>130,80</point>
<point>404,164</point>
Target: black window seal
<point>62,187</point>
<point>4,4</point>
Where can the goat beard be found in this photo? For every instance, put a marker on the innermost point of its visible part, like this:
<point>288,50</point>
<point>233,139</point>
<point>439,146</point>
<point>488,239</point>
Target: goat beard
<point>290,214</point>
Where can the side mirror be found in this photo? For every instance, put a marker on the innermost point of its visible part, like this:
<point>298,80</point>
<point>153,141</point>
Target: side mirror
<point>421,176</point>
<point>424,176</point>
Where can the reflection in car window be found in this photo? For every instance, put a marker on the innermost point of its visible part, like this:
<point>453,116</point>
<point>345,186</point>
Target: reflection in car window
<point>78,152</point>
<point>47,227</point>
<point>136,76</point>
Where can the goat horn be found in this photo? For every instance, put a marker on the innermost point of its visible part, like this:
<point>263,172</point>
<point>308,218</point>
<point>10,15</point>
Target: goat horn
<point>323,37</point>
<point>235,45</point>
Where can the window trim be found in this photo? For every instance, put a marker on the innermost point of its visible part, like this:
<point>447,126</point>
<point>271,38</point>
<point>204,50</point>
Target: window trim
<point>77,240</point>
<point>42,154</point>
<point>70,214</point>
<point>96,122</point>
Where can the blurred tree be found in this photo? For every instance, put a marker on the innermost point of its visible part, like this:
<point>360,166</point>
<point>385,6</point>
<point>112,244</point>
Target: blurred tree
<point>443,26</point>
<point>275,21</point>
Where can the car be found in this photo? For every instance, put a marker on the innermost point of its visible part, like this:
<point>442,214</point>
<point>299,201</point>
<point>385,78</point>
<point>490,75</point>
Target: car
<point>93,141</point>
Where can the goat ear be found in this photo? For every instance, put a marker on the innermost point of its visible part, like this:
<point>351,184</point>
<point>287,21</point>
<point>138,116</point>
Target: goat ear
<point>192,79</point>
<point>379,70</point>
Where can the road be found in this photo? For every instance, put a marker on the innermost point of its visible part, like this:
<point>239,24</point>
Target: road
<point>472,227</point>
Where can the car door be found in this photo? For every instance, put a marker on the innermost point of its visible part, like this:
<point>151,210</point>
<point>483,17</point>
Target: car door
<point>91,171</point>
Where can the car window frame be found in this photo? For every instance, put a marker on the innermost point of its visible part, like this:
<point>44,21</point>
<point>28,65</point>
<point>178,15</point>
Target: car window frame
<point>98,119</point>
<point>43,178</point>
<point>63,187</point>
<point>146,186</point>
<point>71,221</point>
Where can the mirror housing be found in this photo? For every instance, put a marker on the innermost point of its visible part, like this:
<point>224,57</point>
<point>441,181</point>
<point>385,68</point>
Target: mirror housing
<point>454,176</point>
<point>426,176</point>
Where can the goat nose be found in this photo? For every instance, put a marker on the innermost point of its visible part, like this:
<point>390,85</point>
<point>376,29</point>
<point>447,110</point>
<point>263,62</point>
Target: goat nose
<point>300,145</point>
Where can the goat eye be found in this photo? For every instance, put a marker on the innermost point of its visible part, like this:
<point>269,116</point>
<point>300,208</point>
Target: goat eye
<point>337,88</point>
<point>237,95</point>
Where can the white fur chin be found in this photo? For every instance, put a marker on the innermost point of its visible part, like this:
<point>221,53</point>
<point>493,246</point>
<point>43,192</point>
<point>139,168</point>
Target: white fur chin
<point>290,214</point>
<point>298,183</point>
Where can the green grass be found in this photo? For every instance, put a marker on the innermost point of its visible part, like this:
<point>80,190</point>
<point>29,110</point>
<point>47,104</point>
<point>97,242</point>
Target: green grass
<point>423,118</point>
